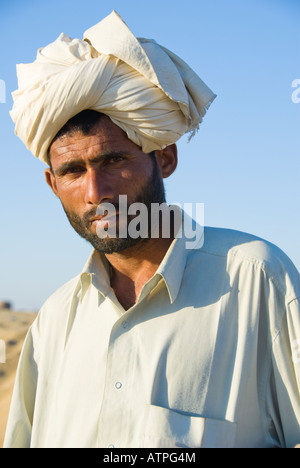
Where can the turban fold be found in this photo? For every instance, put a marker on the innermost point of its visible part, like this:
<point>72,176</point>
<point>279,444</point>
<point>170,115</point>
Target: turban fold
<point>145,89</point>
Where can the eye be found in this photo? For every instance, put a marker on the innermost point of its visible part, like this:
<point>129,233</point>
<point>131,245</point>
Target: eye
<point>74,170</point>
<point>114,159</point>
<point>70,170</point>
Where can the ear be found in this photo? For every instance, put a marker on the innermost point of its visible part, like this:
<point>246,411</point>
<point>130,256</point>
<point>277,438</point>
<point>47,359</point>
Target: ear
<point>51,181</point>
<point>167,160</point>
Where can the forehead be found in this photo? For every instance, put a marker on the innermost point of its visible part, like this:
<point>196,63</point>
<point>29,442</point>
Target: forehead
<point>105,136</point>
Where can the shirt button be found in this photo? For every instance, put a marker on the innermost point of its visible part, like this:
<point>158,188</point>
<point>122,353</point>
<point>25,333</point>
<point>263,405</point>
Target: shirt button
<point>111,446</point>
<point>125,324</point>
<point>118,385</point>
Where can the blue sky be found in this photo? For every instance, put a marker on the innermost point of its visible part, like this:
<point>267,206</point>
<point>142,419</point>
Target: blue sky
<point>244,163</point>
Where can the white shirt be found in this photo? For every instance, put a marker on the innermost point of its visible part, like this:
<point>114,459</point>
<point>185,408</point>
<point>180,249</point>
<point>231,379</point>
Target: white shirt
<point>209,356</point>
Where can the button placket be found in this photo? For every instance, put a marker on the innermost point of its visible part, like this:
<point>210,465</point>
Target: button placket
<point>119,357</point>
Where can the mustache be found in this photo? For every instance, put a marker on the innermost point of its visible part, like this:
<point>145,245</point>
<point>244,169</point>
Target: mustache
<point>86,218</point>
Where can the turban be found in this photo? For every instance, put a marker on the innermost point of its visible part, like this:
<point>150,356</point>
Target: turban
<point>145,89</point>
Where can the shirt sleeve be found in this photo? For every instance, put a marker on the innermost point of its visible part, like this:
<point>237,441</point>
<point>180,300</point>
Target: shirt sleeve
<point>19,425</point>
<point>286,375</point>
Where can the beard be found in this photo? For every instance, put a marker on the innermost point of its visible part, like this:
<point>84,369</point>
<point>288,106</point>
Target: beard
<point>152,192</point>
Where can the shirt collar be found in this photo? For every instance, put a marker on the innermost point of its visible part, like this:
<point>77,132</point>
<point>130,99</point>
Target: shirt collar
<point>96,272</point>
<point>173,265</point>
<point>171,269</point>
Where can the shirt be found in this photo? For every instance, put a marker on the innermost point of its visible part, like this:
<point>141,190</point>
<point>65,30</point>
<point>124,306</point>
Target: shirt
<point>207,357</point>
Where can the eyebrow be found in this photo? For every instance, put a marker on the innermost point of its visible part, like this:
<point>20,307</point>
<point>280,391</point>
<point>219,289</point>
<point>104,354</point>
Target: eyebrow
<point>77,162</point>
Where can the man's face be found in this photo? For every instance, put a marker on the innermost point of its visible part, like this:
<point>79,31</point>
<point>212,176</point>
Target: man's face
<point>89,170</point>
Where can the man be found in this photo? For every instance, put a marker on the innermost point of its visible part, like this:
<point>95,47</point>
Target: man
<point>153,344</point>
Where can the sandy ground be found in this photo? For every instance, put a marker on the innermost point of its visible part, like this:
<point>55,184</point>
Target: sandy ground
<point>13,329</point>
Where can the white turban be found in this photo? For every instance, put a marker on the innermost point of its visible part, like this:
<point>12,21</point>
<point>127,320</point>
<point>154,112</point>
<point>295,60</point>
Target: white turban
<point>144,88</point>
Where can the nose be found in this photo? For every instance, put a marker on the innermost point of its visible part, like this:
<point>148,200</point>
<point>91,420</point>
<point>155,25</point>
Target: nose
<point>97,188</point>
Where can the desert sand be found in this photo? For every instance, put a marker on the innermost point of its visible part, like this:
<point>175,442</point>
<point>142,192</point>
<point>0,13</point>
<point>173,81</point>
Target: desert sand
<point>13,329</point>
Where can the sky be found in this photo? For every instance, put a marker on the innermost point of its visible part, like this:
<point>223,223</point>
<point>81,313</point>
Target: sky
<point>243,164</point>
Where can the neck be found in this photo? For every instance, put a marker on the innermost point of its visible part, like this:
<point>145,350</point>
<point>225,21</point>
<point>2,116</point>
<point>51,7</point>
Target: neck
<point>133,267</point>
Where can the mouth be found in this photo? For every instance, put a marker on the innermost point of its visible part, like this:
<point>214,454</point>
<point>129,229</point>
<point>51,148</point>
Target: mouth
<point>104,222</point>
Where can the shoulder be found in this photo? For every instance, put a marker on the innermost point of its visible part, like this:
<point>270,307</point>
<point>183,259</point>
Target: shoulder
<point>56,308</point>
<point>49,328</point>
<point>247,250</point>
<point>63,293</point>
